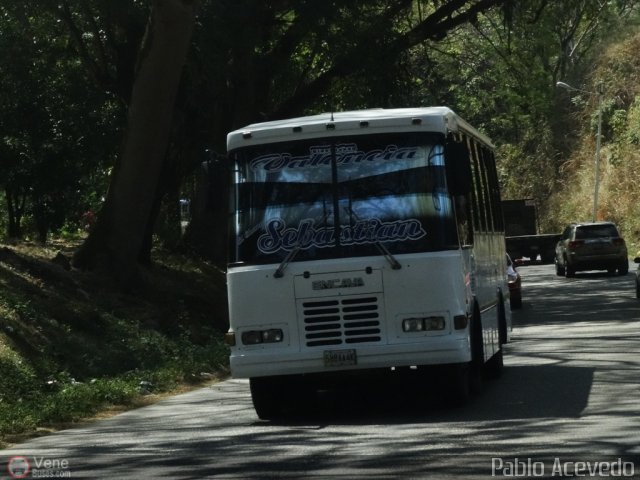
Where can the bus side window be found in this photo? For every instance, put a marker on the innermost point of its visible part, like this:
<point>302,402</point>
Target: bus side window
<point>498,217</point>
<point>463,219</point>
<point>486,188</point>
<point>479,197</point>
<point>460,186</point>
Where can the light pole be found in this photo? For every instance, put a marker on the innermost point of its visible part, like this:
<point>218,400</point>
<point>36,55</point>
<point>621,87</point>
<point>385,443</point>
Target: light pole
<point>599,93</point>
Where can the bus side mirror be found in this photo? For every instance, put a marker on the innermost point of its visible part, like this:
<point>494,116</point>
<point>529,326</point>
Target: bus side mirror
<point>458,168</point>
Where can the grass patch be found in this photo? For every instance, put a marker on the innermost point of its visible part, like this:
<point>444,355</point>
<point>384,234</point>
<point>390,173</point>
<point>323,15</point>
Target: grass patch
<point>72,346</point>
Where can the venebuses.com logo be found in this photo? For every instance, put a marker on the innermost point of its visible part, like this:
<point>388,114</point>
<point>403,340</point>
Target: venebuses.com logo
<point>18,467</point>
<point>38,467</point>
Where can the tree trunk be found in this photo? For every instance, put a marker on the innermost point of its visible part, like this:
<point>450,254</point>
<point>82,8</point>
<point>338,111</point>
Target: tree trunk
<point>15,209</point>
<point>42,222</point>
<point>118,238</point>
<point>207,234</point>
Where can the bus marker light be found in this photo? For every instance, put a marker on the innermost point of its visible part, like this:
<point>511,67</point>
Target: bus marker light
<point>230,339</point>
<point>460,322</point>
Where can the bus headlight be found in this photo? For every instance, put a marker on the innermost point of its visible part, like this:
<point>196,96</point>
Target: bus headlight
<point>421,324</point>
<point>413,324</point>
<point>255,337</point>
<point>273,335</point>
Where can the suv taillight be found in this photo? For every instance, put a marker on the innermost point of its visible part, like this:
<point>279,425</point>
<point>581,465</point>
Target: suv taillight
<point>576,243</point>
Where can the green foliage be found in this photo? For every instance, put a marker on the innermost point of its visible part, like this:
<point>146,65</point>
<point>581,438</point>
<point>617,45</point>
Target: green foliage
<point>18,380</point>
<point>72,345</point>
<point>618,194</point>
<point>633,123</point>
<point>67,76</point>
<point>55,131</point>
<point>501,77</point>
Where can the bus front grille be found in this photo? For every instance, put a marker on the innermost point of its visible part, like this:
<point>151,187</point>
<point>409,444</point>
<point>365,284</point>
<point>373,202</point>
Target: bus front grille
<point>342,320</point>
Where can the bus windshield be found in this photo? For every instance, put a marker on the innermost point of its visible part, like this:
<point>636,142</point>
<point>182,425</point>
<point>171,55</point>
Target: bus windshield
<point>341,197</point>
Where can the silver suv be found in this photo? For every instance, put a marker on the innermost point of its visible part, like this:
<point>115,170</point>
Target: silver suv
<point>591,246</point>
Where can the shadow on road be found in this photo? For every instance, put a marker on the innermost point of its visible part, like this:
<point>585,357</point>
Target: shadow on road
<point>545,391</point>
<point>589,296</point>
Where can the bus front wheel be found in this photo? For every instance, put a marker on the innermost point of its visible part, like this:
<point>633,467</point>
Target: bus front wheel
<point>267,394</point>
<point>458,385</point>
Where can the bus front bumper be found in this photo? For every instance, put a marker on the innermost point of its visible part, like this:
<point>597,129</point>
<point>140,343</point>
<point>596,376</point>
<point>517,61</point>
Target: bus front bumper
<point>260,363</point>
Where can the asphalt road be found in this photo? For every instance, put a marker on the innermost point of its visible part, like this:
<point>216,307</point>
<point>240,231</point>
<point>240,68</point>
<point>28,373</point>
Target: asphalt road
<point>567,403</point>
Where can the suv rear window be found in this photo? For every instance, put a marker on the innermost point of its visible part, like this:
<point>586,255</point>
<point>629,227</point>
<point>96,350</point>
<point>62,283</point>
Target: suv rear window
<point>596,231</point>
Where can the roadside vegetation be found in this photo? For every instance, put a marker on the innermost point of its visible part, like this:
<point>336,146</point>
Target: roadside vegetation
<point>72,344</point>
<point>618,68</point>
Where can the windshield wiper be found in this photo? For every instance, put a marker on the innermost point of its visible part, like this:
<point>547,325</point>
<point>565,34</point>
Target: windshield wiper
<point>279,273</point>
<point>395,265</point>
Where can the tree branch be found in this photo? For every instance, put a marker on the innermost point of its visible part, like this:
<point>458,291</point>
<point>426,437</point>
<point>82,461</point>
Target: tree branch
<point>434,27</point>
<point>100,75</point>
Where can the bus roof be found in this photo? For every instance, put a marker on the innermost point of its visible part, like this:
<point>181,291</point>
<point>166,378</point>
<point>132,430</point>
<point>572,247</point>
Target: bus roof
<point>356,122</point>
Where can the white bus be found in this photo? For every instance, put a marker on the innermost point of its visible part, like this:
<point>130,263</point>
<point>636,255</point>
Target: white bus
<point>362,241</point>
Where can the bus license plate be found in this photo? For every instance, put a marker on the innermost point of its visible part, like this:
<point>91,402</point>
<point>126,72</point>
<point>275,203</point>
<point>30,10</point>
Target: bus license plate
<point>340,358</point>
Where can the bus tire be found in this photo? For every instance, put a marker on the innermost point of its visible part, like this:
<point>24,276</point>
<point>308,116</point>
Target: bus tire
<point>267,394</point>
<point>502,321</point>
<point>516,303</point>
<point>458,389</point>
<point>476,364</point>
<point>494,366</point>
